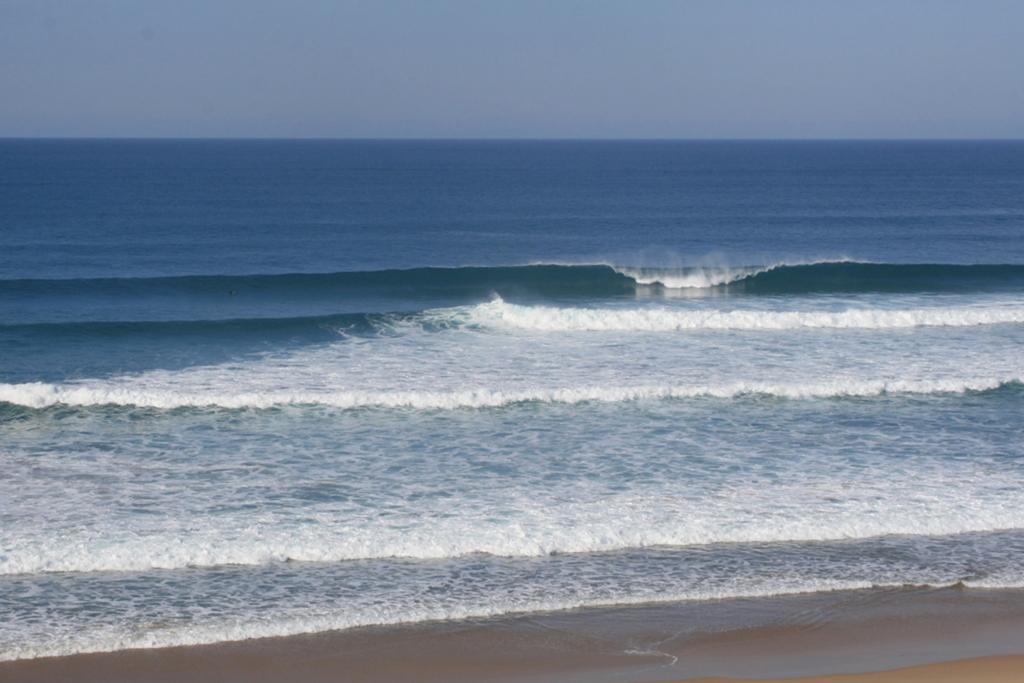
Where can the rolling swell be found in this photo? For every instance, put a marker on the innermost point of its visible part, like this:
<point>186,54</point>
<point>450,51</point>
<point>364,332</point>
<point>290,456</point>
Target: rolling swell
<point>465,284</point>
<point>305,328</point>
<point>112,347</point>
<point>539,278</point>
<point>299,293</point>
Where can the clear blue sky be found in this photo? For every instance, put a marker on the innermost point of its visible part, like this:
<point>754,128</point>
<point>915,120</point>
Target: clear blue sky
<point>523,68</point>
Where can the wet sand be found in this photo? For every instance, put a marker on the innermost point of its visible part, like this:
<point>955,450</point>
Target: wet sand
<point>980,670</point>
<point>782,638</point>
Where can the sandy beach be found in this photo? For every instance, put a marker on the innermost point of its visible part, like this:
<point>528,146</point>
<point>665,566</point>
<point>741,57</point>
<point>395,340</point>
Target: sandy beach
<point>980,670</point>
<point>881,635</point>
<point>1002,669</point>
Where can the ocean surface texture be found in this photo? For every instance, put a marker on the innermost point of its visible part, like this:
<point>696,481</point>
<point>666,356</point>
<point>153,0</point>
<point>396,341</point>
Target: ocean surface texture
<point>265,388</point>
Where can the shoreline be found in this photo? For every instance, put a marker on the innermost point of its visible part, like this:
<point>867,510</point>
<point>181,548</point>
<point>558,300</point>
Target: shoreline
<point>779,638</point>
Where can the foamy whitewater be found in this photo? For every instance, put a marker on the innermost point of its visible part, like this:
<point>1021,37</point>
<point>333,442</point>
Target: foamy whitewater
<point>336,424</point>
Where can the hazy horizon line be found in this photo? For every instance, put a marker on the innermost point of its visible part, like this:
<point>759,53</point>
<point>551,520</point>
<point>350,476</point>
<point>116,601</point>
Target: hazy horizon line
<point>9,138</point>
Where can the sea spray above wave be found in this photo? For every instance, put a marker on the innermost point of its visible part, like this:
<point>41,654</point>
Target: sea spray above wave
<point>499,313</point>
<point>41,395</point>
<point>697,277</point>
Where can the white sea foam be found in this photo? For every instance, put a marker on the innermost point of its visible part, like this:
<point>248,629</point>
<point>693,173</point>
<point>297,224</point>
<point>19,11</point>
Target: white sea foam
<point>42,395</point>
<point>501,314</point>
<point>230,630</point>
<point>125,637</point>
<point>801,511</point>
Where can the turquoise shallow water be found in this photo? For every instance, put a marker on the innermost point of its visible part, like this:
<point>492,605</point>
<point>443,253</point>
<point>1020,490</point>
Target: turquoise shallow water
<point>256,388</point>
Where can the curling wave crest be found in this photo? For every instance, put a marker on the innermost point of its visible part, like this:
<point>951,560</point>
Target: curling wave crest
<point>832,276</point>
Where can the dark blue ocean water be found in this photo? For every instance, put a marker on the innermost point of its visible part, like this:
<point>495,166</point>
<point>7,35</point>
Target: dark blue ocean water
<point>76,209</point>
<point>444,379</point>
<point>101,215</point>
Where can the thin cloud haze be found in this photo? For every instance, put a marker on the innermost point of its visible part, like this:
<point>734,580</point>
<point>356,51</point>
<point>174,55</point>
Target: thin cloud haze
<point>732,69</point>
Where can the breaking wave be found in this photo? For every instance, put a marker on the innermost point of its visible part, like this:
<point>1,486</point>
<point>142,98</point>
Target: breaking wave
<point>836,277</point>
<point>39,395</point>
<point>499,313</point>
